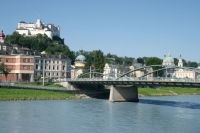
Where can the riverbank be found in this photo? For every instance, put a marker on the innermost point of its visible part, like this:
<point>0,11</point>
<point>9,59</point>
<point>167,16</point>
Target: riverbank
<point>26,94</point>
<point>8,94</point>
<point>168,91</point>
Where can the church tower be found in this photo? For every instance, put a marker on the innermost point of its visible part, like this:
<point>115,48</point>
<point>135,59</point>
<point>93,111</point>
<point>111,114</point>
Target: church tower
<point>2,37</point>
<point>180,62</point>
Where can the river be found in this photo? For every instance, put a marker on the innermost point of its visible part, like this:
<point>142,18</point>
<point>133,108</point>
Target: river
<point>169,114</point>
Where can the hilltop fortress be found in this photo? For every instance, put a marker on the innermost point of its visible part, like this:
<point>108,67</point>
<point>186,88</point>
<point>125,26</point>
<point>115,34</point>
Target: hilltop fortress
<point>30,29</point>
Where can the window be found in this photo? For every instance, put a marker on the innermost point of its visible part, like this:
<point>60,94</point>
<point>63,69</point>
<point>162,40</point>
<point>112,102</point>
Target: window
<point>0,60</point>
<point>24,60</point>
<point>13,67</point>
<point>13,74</point>
<point>7,60</point>
<point>24,67</point>
<point>29,60</point>
<point>13,60</point>
<point>29,67</point>
<point>36,67</point>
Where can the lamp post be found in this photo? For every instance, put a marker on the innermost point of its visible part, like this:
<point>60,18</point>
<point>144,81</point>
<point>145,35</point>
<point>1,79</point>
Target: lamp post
<point>43,70</point>
<point>51,65</point>
<point>90,71</point>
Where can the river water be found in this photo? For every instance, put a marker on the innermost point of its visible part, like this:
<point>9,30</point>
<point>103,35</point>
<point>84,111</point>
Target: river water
<point>170,114</point>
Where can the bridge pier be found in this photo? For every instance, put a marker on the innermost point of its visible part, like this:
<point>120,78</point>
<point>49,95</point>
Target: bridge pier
<point>123,94</point>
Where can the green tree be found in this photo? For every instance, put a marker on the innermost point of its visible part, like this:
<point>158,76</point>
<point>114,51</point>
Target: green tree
<point>42,43</point>
<point>99,61</point>
<point>4,70</point>
<point>155,61</point>
<point>128,60</point>
<point>58,40</point>
<point>37,79</point>
<point>185,63</point>
<point>192,64</point>
<point>176,61</point>
<point>14,38</point>
<point>87,67</point>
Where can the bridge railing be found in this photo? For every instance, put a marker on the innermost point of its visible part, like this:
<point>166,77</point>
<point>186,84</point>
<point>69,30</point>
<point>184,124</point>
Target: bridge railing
<point>139,79</point>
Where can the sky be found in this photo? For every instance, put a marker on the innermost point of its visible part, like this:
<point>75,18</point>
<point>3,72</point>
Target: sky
<point>131,28</point>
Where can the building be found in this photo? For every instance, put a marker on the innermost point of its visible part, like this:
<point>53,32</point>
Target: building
<point>30,29</point>
<point>56,67</point>
<point>25,65</point>
<point>79,64</point>
<point>168,62</point>
<point>22,67</point>
<point>114,71</point>
<point>184,73</point>
<point>181,72</point>
<point>110,72</point>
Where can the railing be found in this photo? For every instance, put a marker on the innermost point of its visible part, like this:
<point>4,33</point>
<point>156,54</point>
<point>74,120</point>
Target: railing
<point>138,79</point>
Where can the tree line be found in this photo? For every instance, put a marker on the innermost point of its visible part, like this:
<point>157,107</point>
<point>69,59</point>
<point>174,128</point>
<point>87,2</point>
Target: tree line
<point>41,43</point>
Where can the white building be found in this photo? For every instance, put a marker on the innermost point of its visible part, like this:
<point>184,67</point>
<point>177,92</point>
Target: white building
<point>113,71</point>
<point>30,29</point>
<point>56,67</point>
<point>185,73</point>
<point>110,72</point>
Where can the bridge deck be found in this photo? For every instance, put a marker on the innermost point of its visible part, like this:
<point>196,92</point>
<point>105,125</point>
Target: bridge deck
<point>137,82</point>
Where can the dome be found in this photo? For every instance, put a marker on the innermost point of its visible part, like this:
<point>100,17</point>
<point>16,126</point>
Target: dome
<point>168,59</point>
<point>2,34</point>
<point>80,58</point>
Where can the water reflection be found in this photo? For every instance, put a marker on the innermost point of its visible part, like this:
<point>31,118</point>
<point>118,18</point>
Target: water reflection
<point>189,105</point>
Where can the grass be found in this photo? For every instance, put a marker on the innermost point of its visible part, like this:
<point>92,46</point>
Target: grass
<point>168,91</point>
<point>40,84</point>
<point>24,94</point>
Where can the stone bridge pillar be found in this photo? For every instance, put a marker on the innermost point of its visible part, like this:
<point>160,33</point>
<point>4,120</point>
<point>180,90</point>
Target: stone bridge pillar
<point>123,94</point>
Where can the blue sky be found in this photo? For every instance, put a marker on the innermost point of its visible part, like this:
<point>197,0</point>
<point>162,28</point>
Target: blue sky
<point>132,28</point>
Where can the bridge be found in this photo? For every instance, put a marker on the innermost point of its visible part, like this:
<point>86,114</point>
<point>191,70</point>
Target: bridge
<point>123,88</point>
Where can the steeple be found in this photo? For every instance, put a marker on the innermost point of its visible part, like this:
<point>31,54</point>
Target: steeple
<point>180,62</point>
<point>2,37</point>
